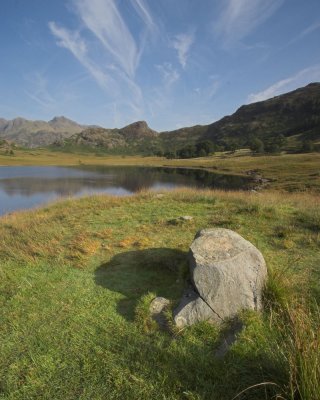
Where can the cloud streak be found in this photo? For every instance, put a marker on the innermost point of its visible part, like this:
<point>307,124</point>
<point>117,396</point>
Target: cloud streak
<point>240,17</point>
<point>310,29</point>
<point>142,10</point>
<point>105,22</point>
<point>169,74</point>
<point>182,43</point>
<point>114,66</point>
<point>40,93</point>
<point>75,44</point>
<point>301,78</point>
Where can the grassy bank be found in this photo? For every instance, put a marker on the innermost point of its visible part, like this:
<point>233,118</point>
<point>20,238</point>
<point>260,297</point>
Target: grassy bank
<point>76,277</point>
<point>287,172</point>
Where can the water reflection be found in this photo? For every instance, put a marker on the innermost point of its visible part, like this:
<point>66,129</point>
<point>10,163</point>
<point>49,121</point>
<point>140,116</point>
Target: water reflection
<point>23,187</point>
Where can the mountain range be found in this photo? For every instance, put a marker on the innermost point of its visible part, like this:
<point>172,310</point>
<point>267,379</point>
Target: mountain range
<point>29,133</point>
<point>294,116</point>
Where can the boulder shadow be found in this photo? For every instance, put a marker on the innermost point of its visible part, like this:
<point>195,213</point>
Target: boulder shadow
<point>163,271</point>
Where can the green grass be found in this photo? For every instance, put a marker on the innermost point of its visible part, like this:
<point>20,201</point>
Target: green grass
<point>76,278</point>
<point>286,172</point>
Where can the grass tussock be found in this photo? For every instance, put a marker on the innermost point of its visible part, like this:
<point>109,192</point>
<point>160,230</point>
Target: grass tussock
<point>300,344</point>
<point>77,278</point>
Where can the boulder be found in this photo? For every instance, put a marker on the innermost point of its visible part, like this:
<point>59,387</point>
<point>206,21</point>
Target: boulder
<point>228,274</point>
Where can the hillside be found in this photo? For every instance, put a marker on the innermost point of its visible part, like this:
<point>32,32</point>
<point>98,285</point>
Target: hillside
<point>29,133</point>
<point>285,122</point>
<point>295,115</point>
<point>135,138</point>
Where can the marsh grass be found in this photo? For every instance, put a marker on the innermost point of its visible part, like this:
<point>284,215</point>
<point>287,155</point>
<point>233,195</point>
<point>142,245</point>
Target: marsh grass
<point>76,279</point>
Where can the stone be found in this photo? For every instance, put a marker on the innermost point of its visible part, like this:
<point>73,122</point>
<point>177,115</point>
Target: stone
<point>228,272</point>
<point>157,308</point>
<point>193,309</point>
<point>158,304</point>
<point>186,218</point>
<point>180,220</point>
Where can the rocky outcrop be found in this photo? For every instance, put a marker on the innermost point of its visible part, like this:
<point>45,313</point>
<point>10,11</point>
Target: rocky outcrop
<point>228,275</point>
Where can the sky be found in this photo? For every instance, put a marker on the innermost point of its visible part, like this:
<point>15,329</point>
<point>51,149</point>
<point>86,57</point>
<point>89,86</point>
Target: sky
<point>172,63</point>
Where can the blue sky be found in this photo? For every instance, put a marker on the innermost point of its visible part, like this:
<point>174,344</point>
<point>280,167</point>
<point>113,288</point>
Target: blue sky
<point>172,63</point>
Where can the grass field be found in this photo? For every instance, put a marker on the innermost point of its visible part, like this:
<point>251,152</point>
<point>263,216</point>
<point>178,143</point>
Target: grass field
<point>286,172</point>
<point>76,278</point>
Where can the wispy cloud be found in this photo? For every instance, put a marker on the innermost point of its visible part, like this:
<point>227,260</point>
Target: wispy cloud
<point>40,92</point>
<point>114,65</point>
<point>182,43</point>
<point>310,29</point>
<point>240,17</point>
<point>301,78</point>
<point>104,20</point>
<point>142,10</point>
<point>169,74</point>
<point>72,41</point>
<point>213,84</point>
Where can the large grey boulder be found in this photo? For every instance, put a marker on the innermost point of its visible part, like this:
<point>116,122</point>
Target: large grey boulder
<point>228,274</point>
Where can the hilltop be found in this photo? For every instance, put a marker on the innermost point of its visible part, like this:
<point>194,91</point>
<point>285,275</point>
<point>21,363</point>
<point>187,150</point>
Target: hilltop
<point>30,133</point>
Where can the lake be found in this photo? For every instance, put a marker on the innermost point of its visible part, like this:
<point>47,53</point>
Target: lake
<point>26,187</point>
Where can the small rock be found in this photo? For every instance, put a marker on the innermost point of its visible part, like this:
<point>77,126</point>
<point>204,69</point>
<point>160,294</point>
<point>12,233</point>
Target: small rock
<point>158,304</point>
<point>157,308</point>
<point>186,218</point>
<point>180,220</point>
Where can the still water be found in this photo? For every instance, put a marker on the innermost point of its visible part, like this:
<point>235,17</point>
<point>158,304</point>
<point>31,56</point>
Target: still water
<point>26,187</point>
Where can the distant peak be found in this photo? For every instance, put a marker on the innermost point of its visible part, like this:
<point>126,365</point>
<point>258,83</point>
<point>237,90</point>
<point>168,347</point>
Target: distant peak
<point>59,118</point>
<point>138,124</point>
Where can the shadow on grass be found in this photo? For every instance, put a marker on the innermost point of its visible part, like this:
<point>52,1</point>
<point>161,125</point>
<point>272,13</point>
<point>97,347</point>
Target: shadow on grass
<point>135,273</point>
<point>187,363</point>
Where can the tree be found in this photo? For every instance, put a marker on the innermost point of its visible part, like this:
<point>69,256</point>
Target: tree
<point>202,153</point>
<point>307,146</point>
<point>206,147</point>
<point>256,145</point>
<point>170,154</point>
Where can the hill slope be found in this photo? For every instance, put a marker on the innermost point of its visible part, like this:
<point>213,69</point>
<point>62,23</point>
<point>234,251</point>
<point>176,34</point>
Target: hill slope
<point>296,113</point>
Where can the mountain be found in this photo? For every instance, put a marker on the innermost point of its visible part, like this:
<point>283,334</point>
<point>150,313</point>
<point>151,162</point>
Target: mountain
<point>38,133</point>
<point>286,121</point>
<point>294,115</point>
<point>135,138</point>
